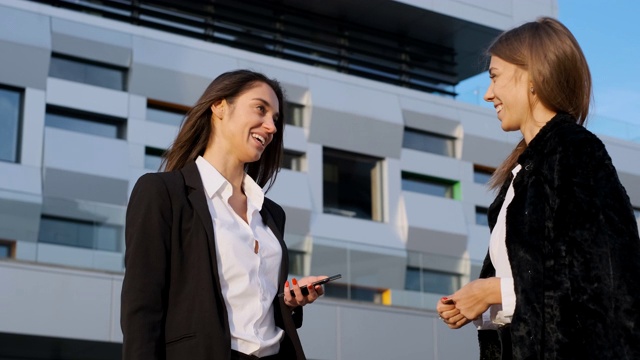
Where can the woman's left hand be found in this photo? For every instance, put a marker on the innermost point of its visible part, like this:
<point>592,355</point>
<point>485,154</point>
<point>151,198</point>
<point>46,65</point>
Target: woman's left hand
<point>475,298</point>
<point>299,299</point>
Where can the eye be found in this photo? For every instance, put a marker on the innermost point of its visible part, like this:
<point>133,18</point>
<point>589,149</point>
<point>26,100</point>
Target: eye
<point>262,109</point>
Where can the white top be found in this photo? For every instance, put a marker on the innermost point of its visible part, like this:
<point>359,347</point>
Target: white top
<point>248,280</point>
<point>500,314</point>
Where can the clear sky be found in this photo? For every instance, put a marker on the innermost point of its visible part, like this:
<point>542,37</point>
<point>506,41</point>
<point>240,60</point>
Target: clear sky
<point>609,33</point>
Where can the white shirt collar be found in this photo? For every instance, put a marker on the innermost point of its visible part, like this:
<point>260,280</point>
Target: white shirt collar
<point>215,183</point>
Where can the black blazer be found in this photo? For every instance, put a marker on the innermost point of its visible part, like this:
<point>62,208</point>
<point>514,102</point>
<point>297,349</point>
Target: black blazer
<point>171,303</point>
<point>573,246</point>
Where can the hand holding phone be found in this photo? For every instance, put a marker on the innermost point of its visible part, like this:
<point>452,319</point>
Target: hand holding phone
<point>305,288</point>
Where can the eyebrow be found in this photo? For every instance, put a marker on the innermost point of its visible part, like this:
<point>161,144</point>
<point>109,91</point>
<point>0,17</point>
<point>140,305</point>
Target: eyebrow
<point>276,116</point>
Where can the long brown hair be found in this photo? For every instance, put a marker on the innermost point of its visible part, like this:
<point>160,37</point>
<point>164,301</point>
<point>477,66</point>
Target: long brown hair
<point>557,68</point>
<point>195,132</point>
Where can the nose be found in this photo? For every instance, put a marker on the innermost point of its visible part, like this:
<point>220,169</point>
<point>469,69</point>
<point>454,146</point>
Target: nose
<point>488,95</point>
<point>269,125</point>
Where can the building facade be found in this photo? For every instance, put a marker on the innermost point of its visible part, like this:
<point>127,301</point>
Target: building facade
<point>384,177</point>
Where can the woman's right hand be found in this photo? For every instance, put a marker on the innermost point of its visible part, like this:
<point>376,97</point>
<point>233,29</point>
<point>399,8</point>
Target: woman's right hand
<point>450,315</point>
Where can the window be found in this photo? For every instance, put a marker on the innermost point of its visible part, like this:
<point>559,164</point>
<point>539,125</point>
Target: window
<point>296,262</point>
<point>431,281</point>
<point>482,174</point>
<point>153,158</point>
<point>80,233</point>
<point>293,160</point>
<point>87,72</point>
<point>84,122</point>
<point>7,249</point>
<point>481,216</point>
<point>294,114</point>
<point>428,142</point>
<point>352,185</point>
<point>431,185</point>
<point>10,114</point>
<point>165,113</point>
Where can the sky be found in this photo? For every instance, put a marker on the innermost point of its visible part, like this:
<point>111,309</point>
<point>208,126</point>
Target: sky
<point>609,33</point>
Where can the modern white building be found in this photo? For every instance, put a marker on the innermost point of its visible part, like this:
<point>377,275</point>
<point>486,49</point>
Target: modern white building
<point>384,178</point>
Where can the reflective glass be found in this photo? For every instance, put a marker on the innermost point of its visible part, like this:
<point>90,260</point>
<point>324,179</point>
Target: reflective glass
<point>87,72</point>
<point>10,124</point>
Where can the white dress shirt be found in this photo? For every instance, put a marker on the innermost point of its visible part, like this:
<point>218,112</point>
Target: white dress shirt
<point>248,280</point>
<point>500,314</point>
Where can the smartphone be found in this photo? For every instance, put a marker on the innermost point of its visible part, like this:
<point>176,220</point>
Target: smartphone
<point>305,290</point>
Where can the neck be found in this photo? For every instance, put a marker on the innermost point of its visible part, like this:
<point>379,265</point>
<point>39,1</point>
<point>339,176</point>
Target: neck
<point>227,166</point>
<point>539,118</point>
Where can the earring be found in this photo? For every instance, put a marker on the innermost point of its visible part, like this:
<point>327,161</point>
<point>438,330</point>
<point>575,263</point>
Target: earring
<point>531,89</point>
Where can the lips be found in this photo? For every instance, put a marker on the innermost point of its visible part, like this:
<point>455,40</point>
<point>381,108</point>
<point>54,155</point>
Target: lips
<point>260,138</point>
<point>498,108</point>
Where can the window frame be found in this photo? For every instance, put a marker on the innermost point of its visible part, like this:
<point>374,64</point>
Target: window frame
<point>93,225</point>
<point>455,284</point>
<point>167,107</point>
<point>454,187</point>
<point>88,64</point>
<point>484,171</point>
<point>291,109</point>
<point>376,172</point>
<point>17,153</point>
<point>449,141</point>
<point>11,247</point>
<point>86,117</point>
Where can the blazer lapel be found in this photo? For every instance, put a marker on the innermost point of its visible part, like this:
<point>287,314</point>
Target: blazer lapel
<point>198,200</point>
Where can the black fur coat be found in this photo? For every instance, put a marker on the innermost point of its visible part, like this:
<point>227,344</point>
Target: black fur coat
<point>572,242</point>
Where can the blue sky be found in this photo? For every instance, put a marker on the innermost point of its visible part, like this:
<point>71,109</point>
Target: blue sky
<point>609,34</point>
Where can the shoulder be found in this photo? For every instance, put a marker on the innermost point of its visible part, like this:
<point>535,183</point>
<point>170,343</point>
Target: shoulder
<point>575,137</point>
<point>158,184</point>
<point>273,207</point>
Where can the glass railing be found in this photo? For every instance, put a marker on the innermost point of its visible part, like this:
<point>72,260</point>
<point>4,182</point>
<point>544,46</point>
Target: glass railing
<point>385,275</point>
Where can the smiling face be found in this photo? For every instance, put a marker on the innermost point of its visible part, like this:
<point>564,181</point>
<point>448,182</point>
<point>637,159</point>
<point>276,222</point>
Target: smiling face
<point>509,91</point>
<point>245,127</point>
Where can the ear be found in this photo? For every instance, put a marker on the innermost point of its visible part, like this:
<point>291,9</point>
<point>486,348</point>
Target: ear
<point>219,107</point>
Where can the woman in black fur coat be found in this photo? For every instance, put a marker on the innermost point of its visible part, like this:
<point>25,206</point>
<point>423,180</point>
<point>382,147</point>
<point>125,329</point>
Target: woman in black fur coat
<point>561,279</point>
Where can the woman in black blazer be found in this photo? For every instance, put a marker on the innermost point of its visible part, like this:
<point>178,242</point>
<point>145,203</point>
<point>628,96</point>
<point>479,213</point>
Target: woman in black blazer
<point>205,256</point>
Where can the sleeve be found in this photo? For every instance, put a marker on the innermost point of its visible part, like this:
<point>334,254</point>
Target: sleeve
<point>145,284</point>
<point>508,297</point>
<point>590,287</point>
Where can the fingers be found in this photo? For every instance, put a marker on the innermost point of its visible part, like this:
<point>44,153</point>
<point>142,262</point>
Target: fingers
<point>301,295</point>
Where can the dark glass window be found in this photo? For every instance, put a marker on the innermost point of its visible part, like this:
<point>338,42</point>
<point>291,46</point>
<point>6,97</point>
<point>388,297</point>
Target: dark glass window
<point>431,281</point>
<point>84,122</point>
<point>482,174</point>
<point>79,233</point>
<point>165,113</point>
<point>87,72</point>
<point>294,114</point>
<point>10,114</point>
<point>293,160</point>
<point>153,158</point>
<point>428,142</point>
<point>352,184</point>
<point>481,216</point>
<point>296,262</point>
<point>429,185</point>
<point>7,249</point>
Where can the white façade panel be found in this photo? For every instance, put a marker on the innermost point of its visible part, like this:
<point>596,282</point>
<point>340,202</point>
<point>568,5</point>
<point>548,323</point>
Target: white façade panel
<point>358,100</point>
<point>91,42</point>
<point>83,153</point>
<point>181,58</point>
<point>57,302</point>
<point>87,98</point>
<point>25,27</point>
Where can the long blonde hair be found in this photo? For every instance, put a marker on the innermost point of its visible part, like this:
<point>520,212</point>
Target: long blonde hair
<point>557,68</point>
